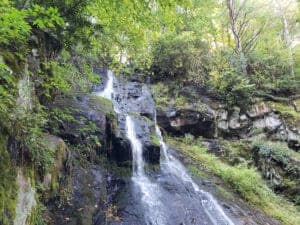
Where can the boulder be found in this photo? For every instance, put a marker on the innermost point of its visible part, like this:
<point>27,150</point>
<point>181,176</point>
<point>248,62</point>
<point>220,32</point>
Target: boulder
<point>87,118</point>
<point>222,115</point>
<point>293,140</point>
<point>258,110</point>
<point>234,121</point>
<point>223,125</point>
<point>182,121</point>
<point>272,122</point>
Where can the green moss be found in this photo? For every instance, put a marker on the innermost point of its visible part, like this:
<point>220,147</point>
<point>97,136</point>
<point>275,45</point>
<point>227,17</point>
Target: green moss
<point>155,140</point>
<point>224,193</point>
<point>160,93</point>
<point>246,181</point>
<point>287,111</point>
<point>121,171</point>
<point>195,171</point>
<point>181,102</point>
<point>101,103</point>
<point>37,216</point>
<point>8,186</point>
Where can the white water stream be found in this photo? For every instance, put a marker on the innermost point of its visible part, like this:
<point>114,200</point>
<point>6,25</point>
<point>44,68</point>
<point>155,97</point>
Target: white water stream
<point>155,210</point>
<point>210,205</point>
<point>150,191</point>
<point>109,89</point>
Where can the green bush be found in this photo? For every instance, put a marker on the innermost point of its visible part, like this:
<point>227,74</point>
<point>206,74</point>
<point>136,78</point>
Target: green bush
<point>180,56</point>
<point>7,94</point>
<point>232,86</point>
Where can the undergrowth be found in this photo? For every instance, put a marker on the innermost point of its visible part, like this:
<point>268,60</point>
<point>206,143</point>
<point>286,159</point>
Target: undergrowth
<point>246,181</point>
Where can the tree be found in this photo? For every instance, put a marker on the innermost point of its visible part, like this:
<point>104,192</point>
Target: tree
<point>243,16</point>
<point>287,11</point>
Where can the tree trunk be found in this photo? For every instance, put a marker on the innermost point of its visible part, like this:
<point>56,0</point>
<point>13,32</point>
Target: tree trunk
<point>286,36</point>
<point>238,42</point>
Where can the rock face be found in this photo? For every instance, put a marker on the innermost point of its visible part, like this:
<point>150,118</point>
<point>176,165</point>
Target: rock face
<point>93,190</point>
<point>83,111</point>
<point>52,179</point>
<point>26,199</point>
<point>212,120</point>
<point>135,99</point>
<point>185,120</point>
<point>258,110</point>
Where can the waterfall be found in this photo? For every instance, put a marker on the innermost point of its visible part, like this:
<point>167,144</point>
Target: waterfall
<point>156,195</point>
<point>108,90</point>
<point>150,191</point>
<point>173,166</point>
<point>137,150</point>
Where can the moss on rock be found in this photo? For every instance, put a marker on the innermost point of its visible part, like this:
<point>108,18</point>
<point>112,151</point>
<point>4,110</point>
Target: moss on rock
<point>52,177</point>
<point>8,185</point>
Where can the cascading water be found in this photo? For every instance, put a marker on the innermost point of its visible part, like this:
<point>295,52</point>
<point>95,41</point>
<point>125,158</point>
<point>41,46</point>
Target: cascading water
<point>169,196</point>
<point>173,166</point>
<point>108,90</point>
<point>150,191</point>
<point>137,151</point>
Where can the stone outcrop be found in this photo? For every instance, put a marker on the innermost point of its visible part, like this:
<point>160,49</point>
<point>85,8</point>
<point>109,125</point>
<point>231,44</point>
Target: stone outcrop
<point>212,119</point>
<point>185,120</point>
<point>52,179</point>
<point>26,199</point>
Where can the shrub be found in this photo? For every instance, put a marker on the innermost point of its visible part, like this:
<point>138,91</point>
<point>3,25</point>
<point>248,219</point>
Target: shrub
<point>182,56</point>
<point>232,86</point>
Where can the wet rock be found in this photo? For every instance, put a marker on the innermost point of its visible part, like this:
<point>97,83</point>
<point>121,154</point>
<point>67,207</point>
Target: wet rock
<point>272,122</point>
<point>223,125</point>
<point>293,140</point>
<point>185,121</point>
<point>258,110</point>
<point>51,179</point>
<point>93,190</point>
<point>26,199</point>
<point>86,110</point>
<point>145,130</point>
<point>120,151</point>
<point>234,121</point>
<point>151,153</point>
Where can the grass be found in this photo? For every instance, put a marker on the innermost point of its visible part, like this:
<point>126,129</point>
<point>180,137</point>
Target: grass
<point>101,103</point>
<point>287,111</point>
<point>246,181</point>
<point>279,149</point>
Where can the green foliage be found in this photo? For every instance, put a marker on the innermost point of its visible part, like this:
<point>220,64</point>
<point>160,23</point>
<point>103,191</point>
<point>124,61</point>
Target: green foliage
<point>7,94</point>
<point>287,111</point>
<point>160,93</point>
<point>8,186</point>
<point>232,87</point>
<point>155,139</point>
<point>277,151</point>
<point>45,17</point>
<point>30,134</point>
<point>37,217</point>
<point>244,180</point>
<point>14,28</point>
<point>188,139</point>
<point>182,56</point>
